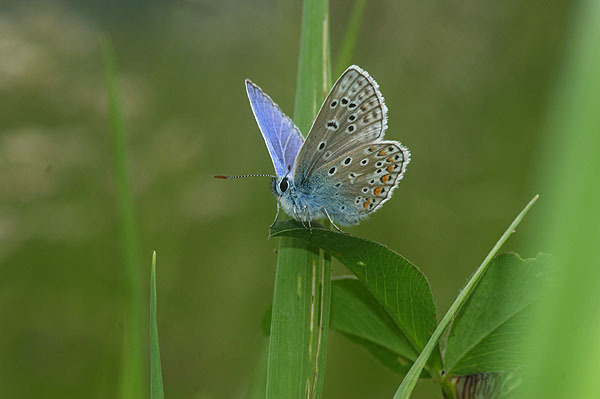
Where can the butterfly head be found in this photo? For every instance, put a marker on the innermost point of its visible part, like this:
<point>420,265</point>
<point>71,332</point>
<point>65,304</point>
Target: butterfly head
<point>282,186</point>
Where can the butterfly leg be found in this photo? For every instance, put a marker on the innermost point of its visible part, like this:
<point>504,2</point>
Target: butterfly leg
<point>276,216</point>
<point>333,224</point>
<point>297,216</point>
<point>308,219</point>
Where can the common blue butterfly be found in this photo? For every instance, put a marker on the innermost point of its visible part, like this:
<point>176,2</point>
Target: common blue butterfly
<point>344,170</point>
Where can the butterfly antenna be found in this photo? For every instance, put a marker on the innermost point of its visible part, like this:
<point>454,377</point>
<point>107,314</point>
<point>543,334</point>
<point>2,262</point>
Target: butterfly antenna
<point>240,176</point>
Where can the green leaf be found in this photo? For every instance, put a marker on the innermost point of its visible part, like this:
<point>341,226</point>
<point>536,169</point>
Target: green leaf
<point>354,311</point>
<point>486,334</point>
<point>156,382</point>
<point>397,284</point>
<point>408,383</point>
<point>389,359</point>
<point>358,315</point>
<point>133,369</point>
<point>302,293</point>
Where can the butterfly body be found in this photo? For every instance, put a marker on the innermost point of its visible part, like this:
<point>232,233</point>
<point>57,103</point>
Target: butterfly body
<point>344,170</point>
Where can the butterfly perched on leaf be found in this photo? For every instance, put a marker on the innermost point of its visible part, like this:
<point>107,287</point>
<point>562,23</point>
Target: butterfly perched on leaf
<point>344,170</point>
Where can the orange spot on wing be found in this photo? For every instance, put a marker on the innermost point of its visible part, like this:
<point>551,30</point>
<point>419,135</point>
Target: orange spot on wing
<point>371,149</point>
<point>366,204</point>
<point>382,153</point>
<point>390,159</point>
<point>391,168</point>
<point>377,190</point>
<point>385,178</point>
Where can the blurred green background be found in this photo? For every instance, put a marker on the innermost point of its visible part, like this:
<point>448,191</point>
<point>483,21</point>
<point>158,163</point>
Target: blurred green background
<point>467,84</point>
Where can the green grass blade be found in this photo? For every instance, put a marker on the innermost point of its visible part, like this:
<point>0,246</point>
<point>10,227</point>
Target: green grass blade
<point>564,362</point>
<point>314,70</point>
<point>302,293</point>
<point>132,379</point>
<point>344,58</point>
<point>408,383</point>
<point>156,382</point>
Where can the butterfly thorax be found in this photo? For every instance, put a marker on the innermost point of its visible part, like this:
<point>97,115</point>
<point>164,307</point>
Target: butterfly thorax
<point>297,201</point>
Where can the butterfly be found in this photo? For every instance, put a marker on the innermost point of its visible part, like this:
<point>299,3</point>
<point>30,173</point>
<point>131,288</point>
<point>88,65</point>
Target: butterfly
<point>344,170</point>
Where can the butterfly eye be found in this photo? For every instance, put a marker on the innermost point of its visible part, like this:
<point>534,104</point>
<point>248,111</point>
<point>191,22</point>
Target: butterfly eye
<point>283,186</point>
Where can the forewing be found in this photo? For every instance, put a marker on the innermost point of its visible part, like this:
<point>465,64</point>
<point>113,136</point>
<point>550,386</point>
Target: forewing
<point>282,137</point>
<point>364,178</point>
<point>353,113</point>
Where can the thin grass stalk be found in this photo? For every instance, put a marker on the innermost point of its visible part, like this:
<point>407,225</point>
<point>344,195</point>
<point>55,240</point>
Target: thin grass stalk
<point>156,381</point>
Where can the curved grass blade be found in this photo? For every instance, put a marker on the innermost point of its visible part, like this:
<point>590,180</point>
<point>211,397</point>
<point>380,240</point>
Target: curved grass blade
<point>409,382</point>
<point>156,382</point>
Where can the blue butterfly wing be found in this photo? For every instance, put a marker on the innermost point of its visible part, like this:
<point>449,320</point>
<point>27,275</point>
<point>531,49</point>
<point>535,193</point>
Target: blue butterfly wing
<point>282,137</point>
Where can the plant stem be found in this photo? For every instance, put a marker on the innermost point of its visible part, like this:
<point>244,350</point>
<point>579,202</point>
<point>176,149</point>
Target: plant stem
<point>302,293</point>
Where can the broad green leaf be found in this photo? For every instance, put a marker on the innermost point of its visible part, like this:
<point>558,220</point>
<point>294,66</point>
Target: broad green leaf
<point>358,315</point>
<point>486,334</point>
<point>354,311</point>
<point>389,359</point>
<point>156,382</point>
<point>396,283</point>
